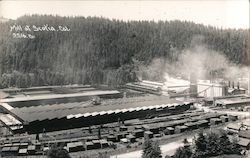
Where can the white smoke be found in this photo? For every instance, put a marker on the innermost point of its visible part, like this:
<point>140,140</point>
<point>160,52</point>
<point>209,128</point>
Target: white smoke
<point>204,62</point>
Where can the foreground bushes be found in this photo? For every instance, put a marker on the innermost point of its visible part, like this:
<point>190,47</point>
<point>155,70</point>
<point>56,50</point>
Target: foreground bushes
<point>208,145</point>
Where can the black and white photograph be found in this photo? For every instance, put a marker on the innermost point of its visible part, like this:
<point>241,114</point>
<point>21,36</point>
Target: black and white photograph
<point>124,79</point>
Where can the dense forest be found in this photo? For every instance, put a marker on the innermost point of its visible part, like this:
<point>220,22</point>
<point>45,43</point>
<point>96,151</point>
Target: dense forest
<point>102,51</point>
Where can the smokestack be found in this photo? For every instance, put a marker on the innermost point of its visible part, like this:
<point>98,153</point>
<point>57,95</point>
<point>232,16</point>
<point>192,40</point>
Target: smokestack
<point>229,84</point>
<point>193,85</point>
<point>238,85</point>
<point>225,89</point>
<point>249,81</point>
<point>232,84</point>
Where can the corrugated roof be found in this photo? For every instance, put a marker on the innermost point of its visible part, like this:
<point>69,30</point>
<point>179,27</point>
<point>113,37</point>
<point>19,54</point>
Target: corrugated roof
<point>9,120</point>
<point>6,106</point>
<point>53,96</point>
<point>79,109</point>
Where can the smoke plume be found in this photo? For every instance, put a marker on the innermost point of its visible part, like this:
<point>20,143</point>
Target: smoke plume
<point>199,59</point>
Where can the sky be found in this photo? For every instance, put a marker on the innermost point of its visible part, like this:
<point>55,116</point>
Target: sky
<point>218,13</point>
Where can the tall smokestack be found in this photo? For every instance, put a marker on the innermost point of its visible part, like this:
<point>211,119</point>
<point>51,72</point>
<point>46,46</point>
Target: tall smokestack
<point>225,89</point>
<point>247,46</point>
<point>193,85</point>
<point>238,85</point>
<point>249,80</point>
<point>232,84</point>
<point>229,84</point>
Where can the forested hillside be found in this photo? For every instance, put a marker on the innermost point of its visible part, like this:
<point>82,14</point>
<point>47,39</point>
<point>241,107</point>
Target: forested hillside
<point>102,51</point>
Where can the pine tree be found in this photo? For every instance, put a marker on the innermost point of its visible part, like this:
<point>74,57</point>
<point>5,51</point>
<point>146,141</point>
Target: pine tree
<point>57,152</point>
<point>225,146</point>
<point>183,152</point>
<point>212,147</point>
<point>200,143</point>
<point>156,150</point>
<point>147,148</point>
<point>151,149</point>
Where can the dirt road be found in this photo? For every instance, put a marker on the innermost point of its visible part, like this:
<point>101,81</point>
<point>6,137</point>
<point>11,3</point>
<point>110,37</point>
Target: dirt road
<point>166,149</point>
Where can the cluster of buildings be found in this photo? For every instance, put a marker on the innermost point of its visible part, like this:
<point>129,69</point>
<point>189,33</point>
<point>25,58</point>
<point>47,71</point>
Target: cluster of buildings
<point>128,133</point>
<point>109,116</point>
<point>36,110</point>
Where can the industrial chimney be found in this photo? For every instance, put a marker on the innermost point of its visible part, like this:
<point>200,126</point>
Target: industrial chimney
<point>225,88</point>
<point>249,83</point>
<point>193,85</point>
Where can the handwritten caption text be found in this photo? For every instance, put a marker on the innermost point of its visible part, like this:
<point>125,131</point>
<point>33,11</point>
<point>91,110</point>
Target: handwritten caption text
<point>26,31</point>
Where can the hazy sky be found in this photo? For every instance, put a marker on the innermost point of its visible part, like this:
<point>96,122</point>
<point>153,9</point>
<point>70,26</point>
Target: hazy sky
<point>220,13</point>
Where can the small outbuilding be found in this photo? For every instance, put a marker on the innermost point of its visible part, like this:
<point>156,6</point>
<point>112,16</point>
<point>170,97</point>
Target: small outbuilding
<point>215,121</point>
<point>138,133</point>
<point>180,129</point>
<point>131,138</point>
<point>169,130</point>
<point>89,145</point>
<point>148,134</point>
<point>31,149</point>
<point>104,143</point>
<point>22,152</point>
<point>224,119</point>
<point>97,144</point>
<point>245,143</point>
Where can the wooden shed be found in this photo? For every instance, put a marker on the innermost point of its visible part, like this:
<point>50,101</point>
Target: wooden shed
<point>233,117</point>
<point>6,151</point>
<point>22,152</point>
<point>89,145</point>
<point>202,123</point>
<point>131,138</point>
<point>104,143</point>
<point>124,140</point>
<point>123,128</point>
<point>111,138</point>
<point>75,146</point>
<point>233,128</point>
<point>14,150</point>
<point>224,119</point>
<point>138,133</point>
<point>244,134</point>
<point>169,130</point>
<point>180,129</point>
<point>31,149</point>
<point>148,134</point>
<point>97,144</point>
<point>23,145</point>
<point>245,143</point>
<point>215,121</point>
<point>191,125</point>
